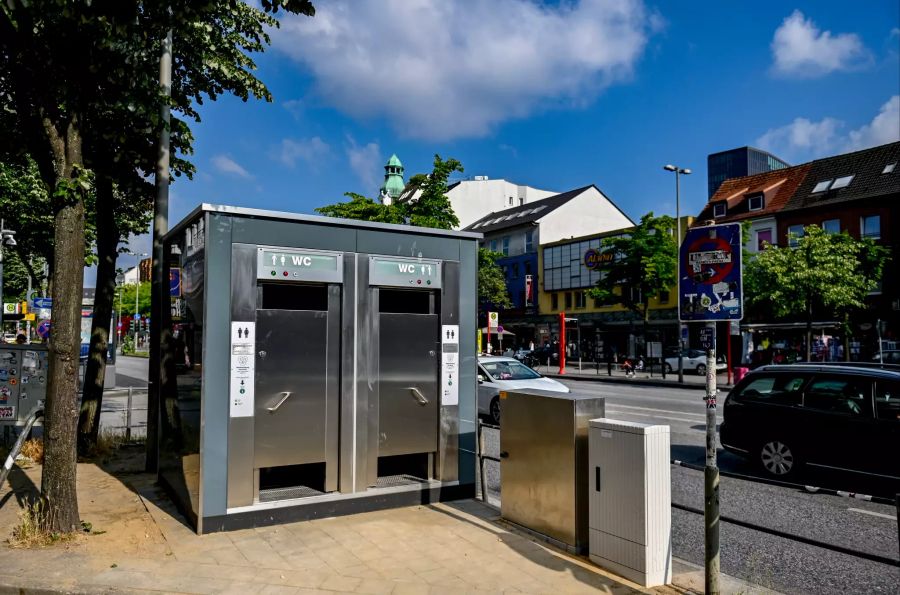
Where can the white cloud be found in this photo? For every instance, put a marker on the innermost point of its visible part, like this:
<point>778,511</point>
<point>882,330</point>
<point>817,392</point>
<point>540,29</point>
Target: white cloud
<point>365,161</point>
<point>311,150</point>
<point>884,128</point>
<point>895,32</point>
<point>439,70</point>
<point>801,49</point>
<point>803,139</point>
<point>227,165</point>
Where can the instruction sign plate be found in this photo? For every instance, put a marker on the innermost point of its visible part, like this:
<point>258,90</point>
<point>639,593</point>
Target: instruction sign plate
<point>450,364</point>
<point>413,273</point>
<point>243,369</point>
<point>7,412</point>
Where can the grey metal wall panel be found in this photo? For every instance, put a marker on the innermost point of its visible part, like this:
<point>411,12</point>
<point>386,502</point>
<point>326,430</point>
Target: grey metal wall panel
<point>295,235</point>
<point>468,387</point>
<point>216,360</point>
<point>349,305</point>
<point>409,245</point>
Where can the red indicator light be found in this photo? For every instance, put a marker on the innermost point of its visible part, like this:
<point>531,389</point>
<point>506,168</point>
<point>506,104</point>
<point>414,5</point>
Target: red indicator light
<point>419,281</point>
<point>285,273</point>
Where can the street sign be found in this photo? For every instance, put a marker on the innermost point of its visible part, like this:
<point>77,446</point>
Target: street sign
<point>174,282</point>
<point>493,320</point>
<point>500,329</point>
<point>707,335</point>
<point>43,329</point>
<point>10,308</point>
<point>709,271</point>
<point>42,302</point>
<point>137,316</point>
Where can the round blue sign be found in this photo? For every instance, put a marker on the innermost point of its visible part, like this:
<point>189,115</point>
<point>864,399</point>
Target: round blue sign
<point>43,329</point>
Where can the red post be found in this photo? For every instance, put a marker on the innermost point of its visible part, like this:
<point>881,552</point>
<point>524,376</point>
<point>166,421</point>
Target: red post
<point>728,356</point>
<point>562,342</point>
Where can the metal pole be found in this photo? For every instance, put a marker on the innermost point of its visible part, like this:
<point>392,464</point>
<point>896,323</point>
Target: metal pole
<point>711,473</point>
<point>128,415</point>
<point>678,276</point>
<point>877,322</point>
<point>2,225</point>
<point>137,292</point>
<point>27,297</point>
<point>484,497</point>
<point>158,285</point>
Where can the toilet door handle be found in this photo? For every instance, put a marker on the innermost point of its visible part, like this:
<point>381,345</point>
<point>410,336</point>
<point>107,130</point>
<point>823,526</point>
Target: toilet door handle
<point>417,394</point>
<point>284,397</point>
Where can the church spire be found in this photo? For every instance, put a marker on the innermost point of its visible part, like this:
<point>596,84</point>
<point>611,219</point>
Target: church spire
<point>393,180</point>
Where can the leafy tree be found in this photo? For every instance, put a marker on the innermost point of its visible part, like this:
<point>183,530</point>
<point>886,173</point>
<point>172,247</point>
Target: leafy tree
<point>424,203</point>
<point>645,263</point>
<point>491,281</point>
<point>124,295</point>
<point>826,273</point>
<point>70,70</point>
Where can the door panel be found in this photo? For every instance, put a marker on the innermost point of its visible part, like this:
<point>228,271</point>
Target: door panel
<point>291,348</point>
<point>408,360</point>
<point>838,423</point>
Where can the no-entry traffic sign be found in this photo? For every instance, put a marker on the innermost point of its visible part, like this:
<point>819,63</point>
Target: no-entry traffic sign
<point>709,271</point>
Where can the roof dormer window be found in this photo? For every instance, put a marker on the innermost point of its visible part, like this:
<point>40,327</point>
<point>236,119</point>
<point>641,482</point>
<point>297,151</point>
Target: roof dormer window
<point>822,186</point>
<point>756,202</point>
<point>842,182</point>
<point>720,209</point>
<point>889,168</point>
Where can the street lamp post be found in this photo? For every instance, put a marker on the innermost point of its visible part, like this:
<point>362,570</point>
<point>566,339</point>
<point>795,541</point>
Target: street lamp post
<point>678,172</point>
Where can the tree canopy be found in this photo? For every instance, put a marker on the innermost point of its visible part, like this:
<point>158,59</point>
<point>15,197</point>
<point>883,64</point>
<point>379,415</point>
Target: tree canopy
<point>829,274</point>
<point>644,263</point>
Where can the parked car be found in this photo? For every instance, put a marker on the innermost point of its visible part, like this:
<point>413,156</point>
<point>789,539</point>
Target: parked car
<point>890,356</point>
<point>497,374</point>
<point>694,360</point>
<point>547,353</point>
<point>9,337</point>
<point>837,417</point>
<point>522,353</point>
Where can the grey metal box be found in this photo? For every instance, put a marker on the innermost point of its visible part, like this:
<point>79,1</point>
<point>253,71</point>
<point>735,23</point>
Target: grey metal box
<point>544,468</point>
<point>631,500</point>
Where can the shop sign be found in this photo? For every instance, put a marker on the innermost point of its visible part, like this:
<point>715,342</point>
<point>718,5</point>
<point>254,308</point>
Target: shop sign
<point>595,259</point>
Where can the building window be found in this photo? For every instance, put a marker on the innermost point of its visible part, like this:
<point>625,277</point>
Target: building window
<point>527,267</point>
<point>763,237</point>
<point>529,240</point>
<point>515,268</point>
<point>554,301</point>
<point>870,227</point>
<point>821,187</point>
<point>505,248</point>
<point>510,201</point>
<point>889,168</point>
<point>842,182</point>
<point>720,209</point>
<point>493,245</point>
<point>568,300</point>
<point>663,297</point>
<point>795,232</point>
<point>580,299</point>
<point>832,226</point>
<point>756,202</point>
<point>521,200</point>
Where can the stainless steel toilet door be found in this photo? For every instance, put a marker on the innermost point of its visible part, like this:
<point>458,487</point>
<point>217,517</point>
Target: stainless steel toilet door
<point>291,371</point>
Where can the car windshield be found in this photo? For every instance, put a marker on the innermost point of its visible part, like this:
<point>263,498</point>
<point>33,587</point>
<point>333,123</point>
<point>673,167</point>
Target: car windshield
<point>506,370</point>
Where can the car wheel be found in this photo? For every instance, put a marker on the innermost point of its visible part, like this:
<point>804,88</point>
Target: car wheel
<point>701,370</point>
<point>778,459</point>
<point>495,410</point>
<point>668,368</point>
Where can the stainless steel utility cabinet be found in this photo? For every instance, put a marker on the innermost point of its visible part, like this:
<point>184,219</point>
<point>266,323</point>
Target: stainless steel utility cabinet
<point>314,366</point>
<point>631,500</point>
<point>544,462</point>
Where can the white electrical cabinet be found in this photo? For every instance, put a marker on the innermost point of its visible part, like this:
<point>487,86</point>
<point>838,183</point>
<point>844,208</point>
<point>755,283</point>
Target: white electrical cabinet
<point>630,500</point>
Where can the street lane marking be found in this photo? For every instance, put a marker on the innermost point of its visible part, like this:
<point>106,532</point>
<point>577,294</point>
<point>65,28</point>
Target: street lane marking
<point>657,416</point>
<point>870,512</point>
<point>617,406</point>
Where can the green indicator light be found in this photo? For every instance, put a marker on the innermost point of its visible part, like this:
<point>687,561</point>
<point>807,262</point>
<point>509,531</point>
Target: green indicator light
<point>273,273</point>
<point>429,282</point>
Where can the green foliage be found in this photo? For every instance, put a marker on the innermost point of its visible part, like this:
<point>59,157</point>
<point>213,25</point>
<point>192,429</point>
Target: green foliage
<point>364,209</point>
<point>126,293</point>
<point>491,281</point>
<point>827,273</point>
<point>645,263</point>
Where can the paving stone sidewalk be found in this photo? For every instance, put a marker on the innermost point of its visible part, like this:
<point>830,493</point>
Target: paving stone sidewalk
<point>146,548</point>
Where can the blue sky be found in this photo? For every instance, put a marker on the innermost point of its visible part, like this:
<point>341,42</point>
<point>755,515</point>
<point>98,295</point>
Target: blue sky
<point>554,95</point>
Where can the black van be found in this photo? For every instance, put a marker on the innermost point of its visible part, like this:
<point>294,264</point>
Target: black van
<point>837,417</point>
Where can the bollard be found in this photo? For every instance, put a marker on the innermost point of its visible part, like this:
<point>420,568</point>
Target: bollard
<point>128,416</point>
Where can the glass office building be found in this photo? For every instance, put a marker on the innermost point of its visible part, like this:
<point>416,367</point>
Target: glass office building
<point>736,163</point>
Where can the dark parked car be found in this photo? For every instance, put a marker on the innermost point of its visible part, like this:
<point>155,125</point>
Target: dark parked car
<point>837,417</point>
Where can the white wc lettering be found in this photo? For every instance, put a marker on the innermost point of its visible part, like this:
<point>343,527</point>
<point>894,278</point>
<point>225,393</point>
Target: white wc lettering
<point>407,268</point>
<point>301,260</point>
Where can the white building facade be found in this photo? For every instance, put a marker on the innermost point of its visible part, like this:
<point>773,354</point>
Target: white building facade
<point>473,199</point>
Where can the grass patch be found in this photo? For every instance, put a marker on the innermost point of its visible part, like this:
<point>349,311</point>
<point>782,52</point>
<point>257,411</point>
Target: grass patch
<point>107,444</point>
<point>34,450</point>
<point>33,530</point>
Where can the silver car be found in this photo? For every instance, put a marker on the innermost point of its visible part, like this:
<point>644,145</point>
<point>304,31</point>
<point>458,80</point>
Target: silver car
<point>694,360</point>
<point>497,374</point>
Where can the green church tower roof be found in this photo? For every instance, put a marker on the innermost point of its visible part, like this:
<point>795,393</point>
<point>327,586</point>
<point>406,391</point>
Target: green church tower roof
<point>393,178</point>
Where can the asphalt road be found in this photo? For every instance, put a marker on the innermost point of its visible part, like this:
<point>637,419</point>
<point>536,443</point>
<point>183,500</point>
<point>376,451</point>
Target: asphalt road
<point>777,563</point>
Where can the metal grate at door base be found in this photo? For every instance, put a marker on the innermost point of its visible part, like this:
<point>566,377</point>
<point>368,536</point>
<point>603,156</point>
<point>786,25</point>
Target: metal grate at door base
<point>393,481</point>
<point>290,493</point>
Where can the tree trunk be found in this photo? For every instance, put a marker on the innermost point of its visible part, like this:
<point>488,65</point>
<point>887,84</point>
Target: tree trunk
<point>846,337</point>
<point>61,409</point>
<point>95,373</point>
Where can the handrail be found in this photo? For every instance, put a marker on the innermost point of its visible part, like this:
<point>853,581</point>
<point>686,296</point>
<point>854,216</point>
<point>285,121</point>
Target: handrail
<point>37,412</point>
